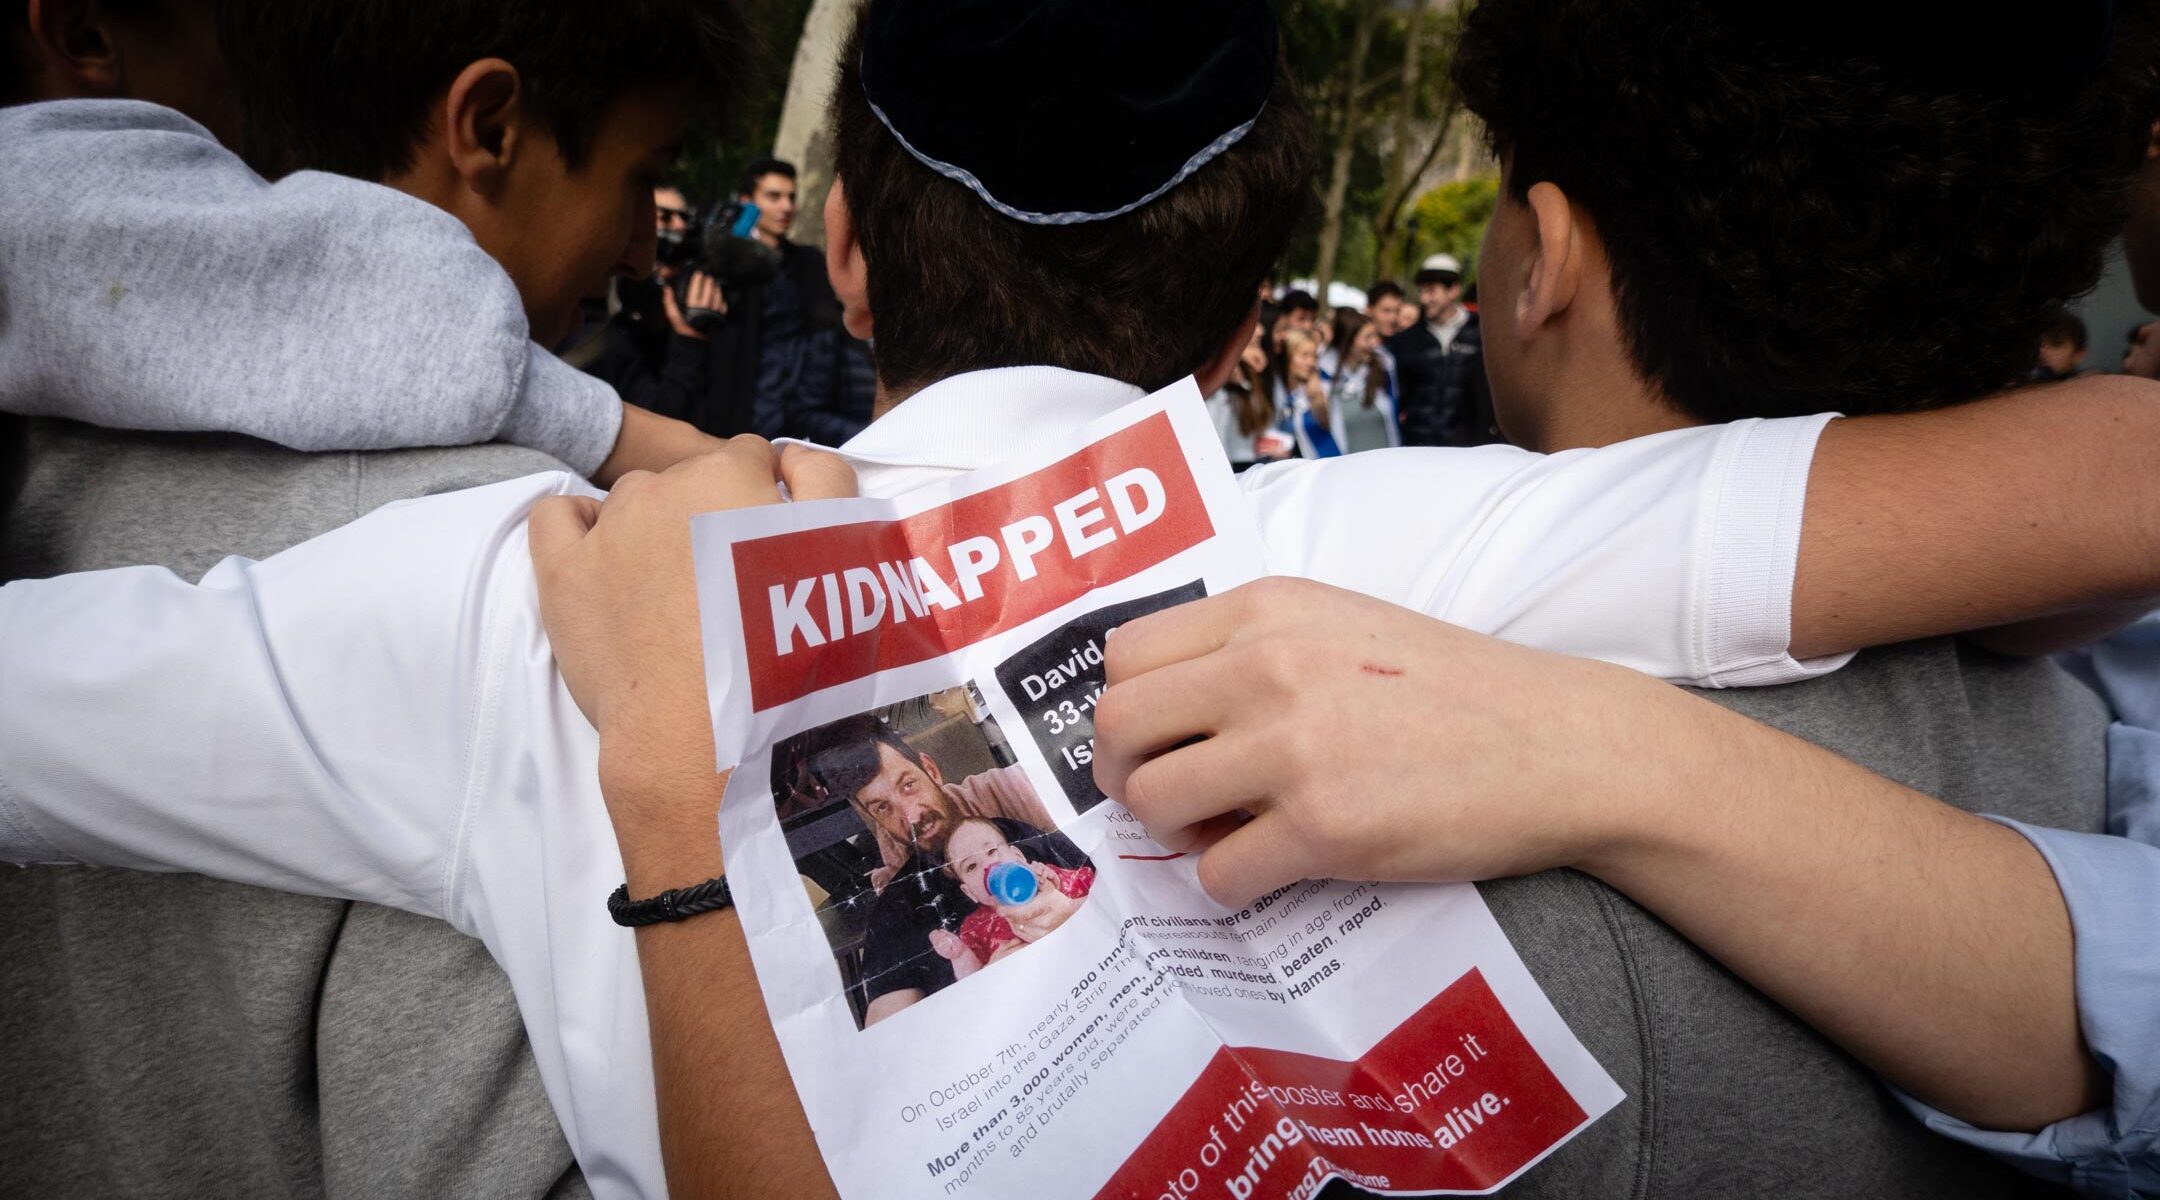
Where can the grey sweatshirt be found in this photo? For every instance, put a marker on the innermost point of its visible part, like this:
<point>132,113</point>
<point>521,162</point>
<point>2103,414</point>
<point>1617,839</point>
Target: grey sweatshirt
<point>150,280</point>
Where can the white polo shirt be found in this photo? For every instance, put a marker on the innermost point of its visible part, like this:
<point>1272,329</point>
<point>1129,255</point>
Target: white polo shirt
<point>375,714</point>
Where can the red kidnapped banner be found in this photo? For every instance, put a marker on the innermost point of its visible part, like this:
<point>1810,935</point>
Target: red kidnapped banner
<point>1453,1100</point>
<point>826,606</point>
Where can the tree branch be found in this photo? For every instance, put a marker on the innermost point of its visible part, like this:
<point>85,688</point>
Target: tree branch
<point>1391,207</point>
<point>1375,86</point>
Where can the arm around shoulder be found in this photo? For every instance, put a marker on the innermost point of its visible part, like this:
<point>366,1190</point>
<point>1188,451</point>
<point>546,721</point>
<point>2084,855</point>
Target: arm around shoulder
<point>178,290</point>
<point>2114,1148</point>
<point>1671,554</point>
<point>2033,515</point>
<point>303,723</point>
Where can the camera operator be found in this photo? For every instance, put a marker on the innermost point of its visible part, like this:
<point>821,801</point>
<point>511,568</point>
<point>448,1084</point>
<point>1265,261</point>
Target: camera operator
<point>653,350</point>
<point>773,358</point>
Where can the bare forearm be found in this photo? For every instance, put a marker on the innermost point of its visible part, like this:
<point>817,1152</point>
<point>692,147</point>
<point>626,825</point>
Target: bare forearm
<point>651,442</point>
<point>1931,944</point>
<point>2038,510</point>
<point>730,1122</point>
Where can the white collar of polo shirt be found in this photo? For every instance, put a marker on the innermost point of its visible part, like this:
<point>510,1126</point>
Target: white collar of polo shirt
<point>1446,330</point>
<point>979,418</point>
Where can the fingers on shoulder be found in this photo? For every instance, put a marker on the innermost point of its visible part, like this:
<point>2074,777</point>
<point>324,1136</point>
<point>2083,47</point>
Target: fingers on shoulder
<point>745,459</point>
<point>813,474</point>
<point>555,525</point>
<point>750,449</point>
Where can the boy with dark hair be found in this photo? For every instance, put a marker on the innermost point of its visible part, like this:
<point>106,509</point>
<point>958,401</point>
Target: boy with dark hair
<point>113,195</point>
<point>1964,994</point>
<point>297,68</point>
<point>753,181</point>
<point>147,271</point>
<point>1811,270</point>
<point>1383,303</point>
<point>1298,310</point>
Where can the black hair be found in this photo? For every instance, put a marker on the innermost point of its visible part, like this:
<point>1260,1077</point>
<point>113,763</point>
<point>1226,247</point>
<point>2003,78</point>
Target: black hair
<point>1381,290</point>
<point>2064,326</point>
<point>1805,215</point>
<point>1147,298</point>
<point>19,63</point>
<point>18,57</point>
<point>760,169</point>
<point>834,762</point>
<point>347,85</point>
<point>1298,300</point>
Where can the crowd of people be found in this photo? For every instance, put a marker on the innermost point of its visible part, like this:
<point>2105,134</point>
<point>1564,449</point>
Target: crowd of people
<point>1399,372</point>
<point>322,837</point>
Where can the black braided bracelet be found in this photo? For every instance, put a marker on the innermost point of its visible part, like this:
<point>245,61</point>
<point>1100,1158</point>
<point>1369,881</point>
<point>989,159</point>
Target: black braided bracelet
<point>672,905</point>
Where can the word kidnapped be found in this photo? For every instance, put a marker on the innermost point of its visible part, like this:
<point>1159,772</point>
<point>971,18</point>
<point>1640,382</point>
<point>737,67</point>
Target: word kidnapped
<point>858,599</point>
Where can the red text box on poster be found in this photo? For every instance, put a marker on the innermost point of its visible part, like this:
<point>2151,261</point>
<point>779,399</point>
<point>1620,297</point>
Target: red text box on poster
<point>825,606</point>
<point>1453,1100</point>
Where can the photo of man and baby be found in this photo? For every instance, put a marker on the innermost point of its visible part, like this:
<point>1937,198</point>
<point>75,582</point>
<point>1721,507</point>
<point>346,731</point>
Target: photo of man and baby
<point>924,847</point>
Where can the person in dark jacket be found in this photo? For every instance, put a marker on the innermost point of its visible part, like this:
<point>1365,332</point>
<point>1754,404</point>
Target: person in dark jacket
<point>1443,399</point>
<point>648,350</point>
<point>779,364</point>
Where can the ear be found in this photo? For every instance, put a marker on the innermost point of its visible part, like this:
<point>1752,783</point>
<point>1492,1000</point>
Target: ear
<point>483,123</point>
<point>1216,371</point>
<point>1553,268</point>
<point>844,264</point>
<point>76,48</point>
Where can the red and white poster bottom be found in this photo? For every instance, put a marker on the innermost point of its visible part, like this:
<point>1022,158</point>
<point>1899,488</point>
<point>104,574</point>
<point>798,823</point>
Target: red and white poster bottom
<point>1455,1100</point>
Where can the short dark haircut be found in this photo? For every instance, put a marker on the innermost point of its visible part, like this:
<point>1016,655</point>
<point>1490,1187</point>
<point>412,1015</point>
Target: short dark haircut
<point>1299,300</point>
<point>347,85</point>
<point>1799,221</point>
<point>836,761</point>
<point>1148,297</point>
<point>1381,290</point>
<point>19,58</point>
<point>760,169</point>
<point>2064,326</point>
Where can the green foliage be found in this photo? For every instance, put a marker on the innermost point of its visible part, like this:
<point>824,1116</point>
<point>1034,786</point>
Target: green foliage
<point>1318,36</point>
<point>1354,260</point>
<point>714,157</point>
<point>1451,219</point>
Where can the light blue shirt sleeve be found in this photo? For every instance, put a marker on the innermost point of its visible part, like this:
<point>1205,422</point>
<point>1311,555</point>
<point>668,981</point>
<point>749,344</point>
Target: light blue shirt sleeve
<point>2111,884</point>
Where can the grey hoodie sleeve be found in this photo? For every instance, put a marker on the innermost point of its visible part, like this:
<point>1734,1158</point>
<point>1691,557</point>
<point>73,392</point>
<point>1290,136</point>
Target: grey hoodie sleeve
<point>150,280</point>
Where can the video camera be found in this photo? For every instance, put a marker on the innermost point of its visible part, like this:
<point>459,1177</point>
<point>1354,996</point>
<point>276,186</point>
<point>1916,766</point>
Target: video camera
<point>721,246</point>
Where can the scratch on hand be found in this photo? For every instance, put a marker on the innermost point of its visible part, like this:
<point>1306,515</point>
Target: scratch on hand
<point>1377,669</point>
